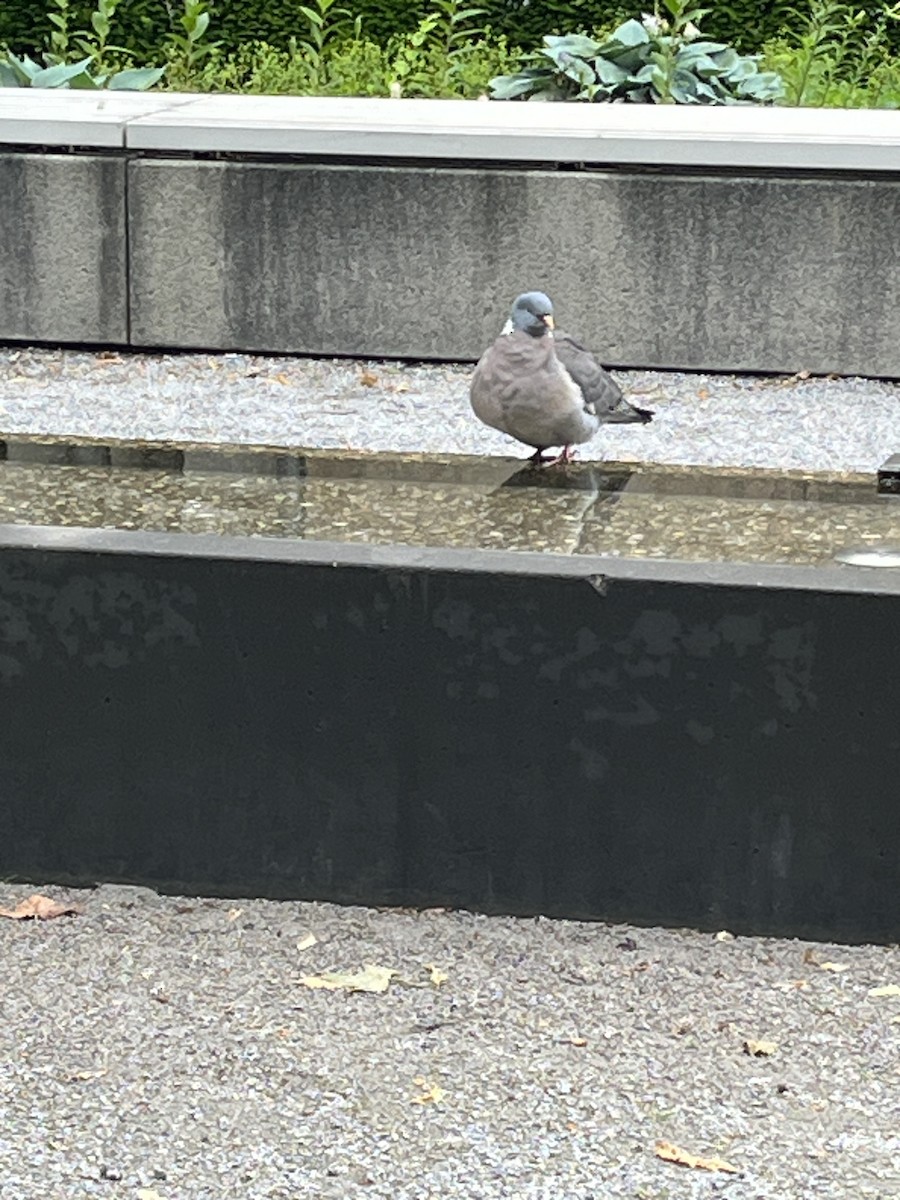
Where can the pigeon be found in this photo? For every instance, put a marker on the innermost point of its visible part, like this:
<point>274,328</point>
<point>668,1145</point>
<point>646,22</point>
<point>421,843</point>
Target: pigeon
<point>540,386</point>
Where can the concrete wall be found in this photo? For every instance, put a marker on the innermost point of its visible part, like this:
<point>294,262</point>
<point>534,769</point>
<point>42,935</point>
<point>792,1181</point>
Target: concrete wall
<point>736,273</point>
<point>728,239</point>
<point>63,248</point>
<point>635,747</point>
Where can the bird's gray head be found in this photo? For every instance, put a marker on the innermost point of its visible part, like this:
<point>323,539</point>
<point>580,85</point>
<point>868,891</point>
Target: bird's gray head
<point>532,312</point>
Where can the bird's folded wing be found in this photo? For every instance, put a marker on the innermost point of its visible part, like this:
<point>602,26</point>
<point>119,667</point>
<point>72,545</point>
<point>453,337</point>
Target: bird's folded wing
<point>601,392</point>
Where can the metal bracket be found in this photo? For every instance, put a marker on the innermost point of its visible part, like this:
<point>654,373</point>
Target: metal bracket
<point>889,477</point>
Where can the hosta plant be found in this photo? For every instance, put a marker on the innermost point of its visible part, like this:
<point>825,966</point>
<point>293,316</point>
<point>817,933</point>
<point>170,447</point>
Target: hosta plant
<point>22,71</point>
<point>97,63</point>
<point>657,60</point>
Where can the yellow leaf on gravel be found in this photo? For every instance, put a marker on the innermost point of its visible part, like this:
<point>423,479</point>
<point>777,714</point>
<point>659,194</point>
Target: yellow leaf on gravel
<point>433,1094</point>
<point>890,989</point>
<point>369,979</point>
<point>724,936</point>
<point>760,1049</point>
<point>306,942</point>
<point>147,1194</point>
<point>436,975</point>
<point>809,957</point>
<point>368,379</point>
<point>40,908</point>
<point>234,913</point>
<point>674,1154</point>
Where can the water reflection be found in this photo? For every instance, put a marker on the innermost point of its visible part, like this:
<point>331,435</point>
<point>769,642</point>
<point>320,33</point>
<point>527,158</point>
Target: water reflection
<point>480,503</point>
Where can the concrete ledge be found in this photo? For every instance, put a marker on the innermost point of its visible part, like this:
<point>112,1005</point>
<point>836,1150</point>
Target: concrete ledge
<point>791,139</point>
<point>661,135</point>
<point>730,239</point>
<point>650,750</point>
<point>73,118</point>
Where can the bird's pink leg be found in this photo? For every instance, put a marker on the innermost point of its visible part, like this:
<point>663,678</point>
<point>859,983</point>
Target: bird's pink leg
<point>567,456</point>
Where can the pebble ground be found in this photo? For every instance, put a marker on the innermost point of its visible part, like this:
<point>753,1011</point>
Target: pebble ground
<point>711,420</point>
<point>167,1048</point>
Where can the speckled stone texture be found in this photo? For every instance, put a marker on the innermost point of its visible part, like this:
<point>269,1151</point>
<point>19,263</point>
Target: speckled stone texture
<point>62,248</point>
<point>168,1044</point>
<point>694,272</point>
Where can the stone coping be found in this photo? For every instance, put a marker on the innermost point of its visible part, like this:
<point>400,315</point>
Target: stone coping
<point>794,139</point>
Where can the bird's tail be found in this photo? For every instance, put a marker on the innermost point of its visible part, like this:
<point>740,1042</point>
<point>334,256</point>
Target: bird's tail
<point>629,414</point>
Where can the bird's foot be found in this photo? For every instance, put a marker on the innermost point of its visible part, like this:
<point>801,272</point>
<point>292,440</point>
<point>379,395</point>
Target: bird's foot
<point>567,456</point>
<point>538,458</point>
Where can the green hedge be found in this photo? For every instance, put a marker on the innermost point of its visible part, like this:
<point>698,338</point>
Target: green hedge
<point>141,25</point>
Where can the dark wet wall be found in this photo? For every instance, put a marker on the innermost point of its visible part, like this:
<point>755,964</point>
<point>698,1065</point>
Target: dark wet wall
<point>663,752</point>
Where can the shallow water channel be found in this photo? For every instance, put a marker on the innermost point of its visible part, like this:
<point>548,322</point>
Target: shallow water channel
<point>636,512</point>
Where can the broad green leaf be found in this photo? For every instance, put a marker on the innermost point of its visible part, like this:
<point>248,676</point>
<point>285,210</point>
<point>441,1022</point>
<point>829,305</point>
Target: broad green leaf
<point>135,79</point>
<point>8,77</point>
<point>573,43</point>
<point>705,92</point>
<point>632,33</point>
<point>85,82</point>
<point>59,76</point>
<point>200,27</point>
<point>25,67</point>
<point>608,72</point>
<point>727,59</point>
<point>509,87</point>
<point>576,69</point>
<point>709,47</point>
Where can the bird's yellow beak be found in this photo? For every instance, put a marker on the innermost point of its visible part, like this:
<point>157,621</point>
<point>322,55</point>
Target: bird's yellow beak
<point>549,322</point>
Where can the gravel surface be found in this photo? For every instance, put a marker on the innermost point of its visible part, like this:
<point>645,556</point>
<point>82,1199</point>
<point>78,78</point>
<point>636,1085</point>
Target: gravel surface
<point>166,1049</point>
<point>811,424</point>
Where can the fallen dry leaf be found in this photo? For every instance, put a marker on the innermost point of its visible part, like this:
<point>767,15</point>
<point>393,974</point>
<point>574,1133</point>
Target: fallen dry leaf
<point>674,1154</point>
<point>306,942</point>
<point>402,386</point>
<point>724,936</point>
<point>703,394</point>
<point>234,913</point>
<point>760,1049</point>
<point>147,1194</point>
<point>283,379</point>
<point>368,379</point>
<point>890,989</point>
<point>369,979</point>
<point>436,975</point>
<point>577,1041</point>
<point>809,957</point>
<point>84,1076</point>
<point>40,908</point>
<point>433,1093</point>
<point>793,985</point>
